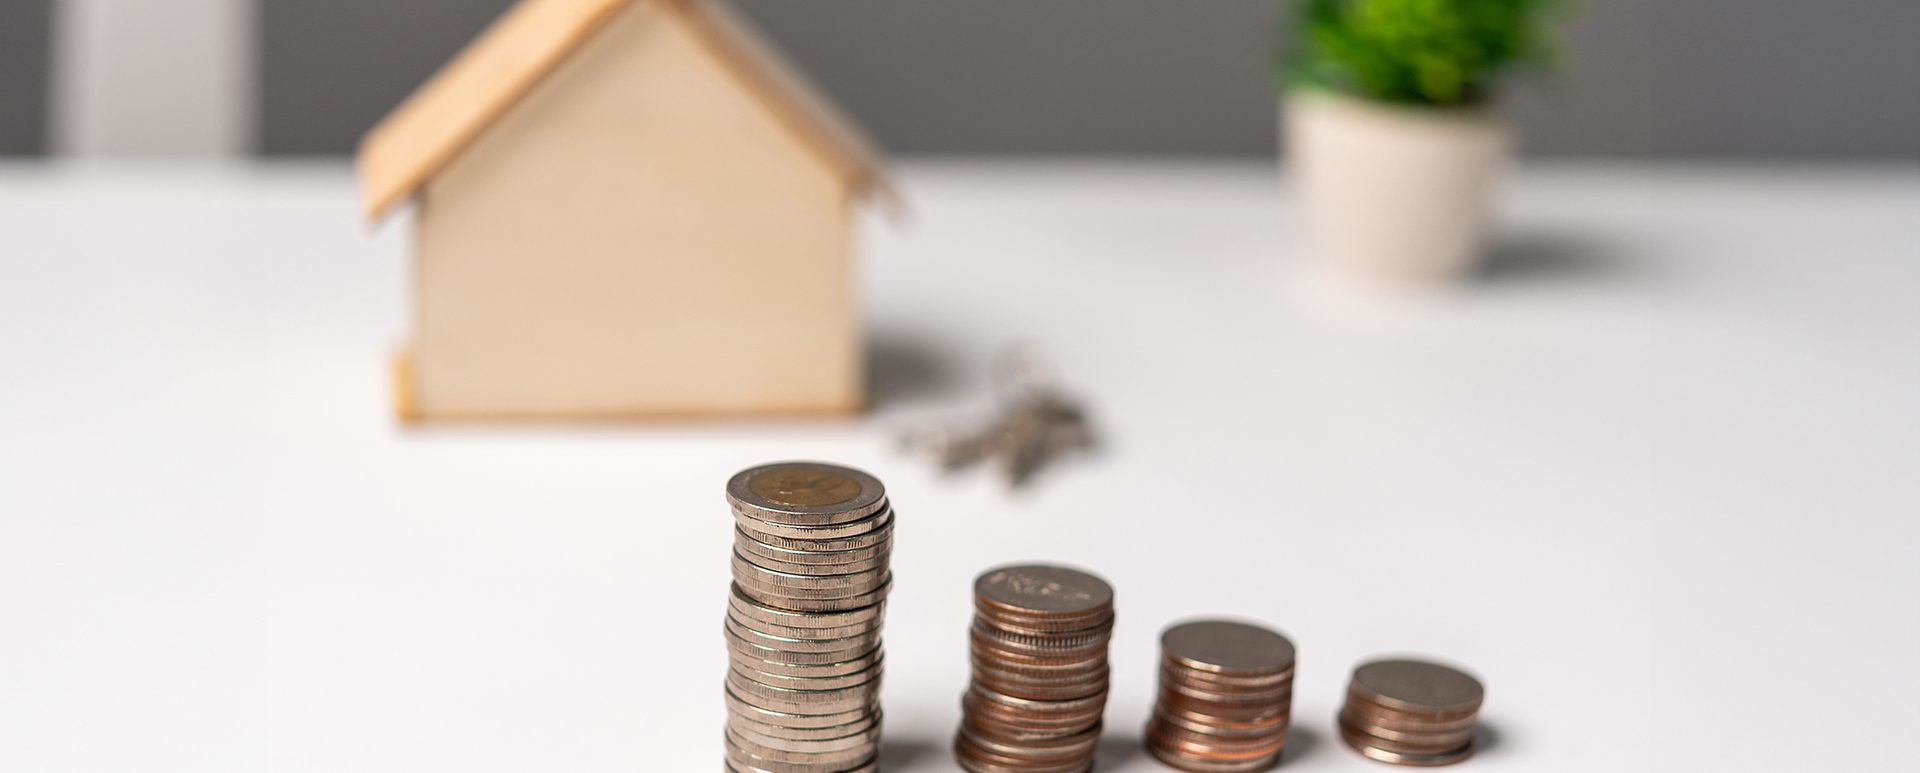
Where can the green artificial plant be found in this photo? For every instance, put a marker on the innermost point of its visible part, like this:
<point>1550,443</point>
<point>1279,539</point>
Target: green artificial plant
<point>1419,52</point>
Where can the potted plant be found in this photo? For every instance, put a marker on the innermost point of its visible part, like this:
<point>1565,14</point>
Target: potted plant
<point>1393,131</point>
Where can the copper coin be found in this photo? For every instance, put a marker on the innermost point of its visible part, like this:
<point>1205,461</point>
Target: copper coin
<point>1223,646</point>
<point>1412,744</point>
<point>1381,724</point>
<point>1275,725</point>
<point>1213,747</point>
<point>1200,764</point>
<point>1417,686</point>
<point>1362,744</point>
<point>1358,701</point>
<point>1043,591</point>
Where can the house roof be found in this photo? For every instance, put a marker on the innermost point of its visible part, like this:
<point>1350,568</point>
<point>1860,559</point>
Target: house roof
<point>431,128</point>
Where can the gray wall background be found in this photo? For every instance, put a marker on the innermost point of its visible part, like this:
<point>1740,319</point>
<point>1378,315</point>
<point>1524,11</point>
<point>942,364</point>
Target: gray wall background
<point>25,52</point>
<point>1642,77</point>
<point>1708,78</point>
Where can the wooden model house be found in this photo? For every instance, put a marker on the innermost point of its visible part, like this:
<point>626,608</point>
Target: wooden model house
<point>625,208</point>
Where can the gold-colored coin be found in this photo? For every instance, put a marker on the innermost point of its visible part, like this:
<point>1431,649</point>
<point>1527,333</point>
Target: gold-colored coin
<point>804,485</point>
<point>805,494</point>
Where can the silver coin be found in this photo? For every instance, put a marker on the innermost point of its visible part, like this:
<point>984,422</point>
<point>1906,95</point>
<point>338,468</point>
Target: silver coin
<point>753,608</point>
<point>765,758</point>
<point>805,492</point>
<point>760,571</point>
<point>814,570</point>
<point>745,708</point>
<point>859,643</point>
<point>809,555</point>
<point>877,533</point>
<point>864,737</point>
<point>763,728</point>
<point>762,530</point>
<point>1037,707</point>
<point>782,594</point>
<point>1052,642</point>
<point>781,597</point>
<point>762,582</point>
<point>870,766</point>
<point>851,702</point>
<point>752,661</point>
<point>774,655</point>
<point>775,629</point>
<point>813,682</point>
<point>803,701</point>
<point>801,687</point>
<point>1015,679</point>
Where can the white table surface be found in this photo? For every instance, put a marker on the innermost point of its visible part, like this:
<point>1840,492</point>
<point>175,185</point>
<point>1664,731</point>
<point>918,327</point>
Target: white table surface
<point>1655,479</point>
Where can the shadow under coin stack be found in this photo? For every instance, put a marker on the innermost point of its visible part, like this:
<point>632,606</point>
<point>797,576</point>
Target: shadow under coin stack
<point>803,622</point>
<point>1409,712</point>
<point>1226,695</point>
<point>1039,671</point>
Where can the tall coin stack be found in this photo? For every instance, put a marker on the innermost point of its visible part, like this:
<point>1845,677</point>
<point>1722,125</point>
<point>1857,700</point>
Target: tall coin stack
<point>1039,671</point>
<point>810,583</point>
<point>1410,712</point>
<point>1226,695</point>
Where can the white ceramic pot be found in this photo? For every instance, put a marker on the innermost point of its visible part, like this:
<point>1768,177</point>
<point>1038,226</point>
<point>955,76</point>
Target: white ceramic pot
<point>1394,193</point>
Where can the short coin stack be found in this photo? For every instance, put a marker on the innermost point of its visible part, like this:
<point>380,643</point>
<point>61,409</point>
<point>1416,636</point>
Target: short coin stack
<point>1226,695</point>
<point>1039,671</point>
<point>810,582</point>
<point>1410,712</point>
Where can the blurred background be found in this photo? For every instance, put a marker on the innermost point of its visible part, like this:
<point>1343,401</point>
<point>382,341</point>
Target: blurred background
<point>1650,473</point>
<point>1693,78</point>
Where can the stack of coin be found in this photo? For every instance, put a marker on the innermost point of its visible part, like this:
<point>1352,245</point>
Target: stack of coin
<point>1039,671</point>
<point>810,582</point>
<point>1226,695</point>
<point>1410,712</point>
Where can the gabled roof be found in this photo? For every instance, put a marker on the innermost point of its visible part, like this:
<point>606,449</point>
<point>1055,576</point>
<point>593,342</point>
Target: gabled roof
<point>431,128</point>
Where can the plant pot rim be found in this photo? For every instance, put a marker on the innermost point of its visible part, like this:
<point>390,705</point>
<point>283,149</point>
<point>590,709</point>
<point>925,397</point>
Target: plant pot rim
<point>1480,111</point>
